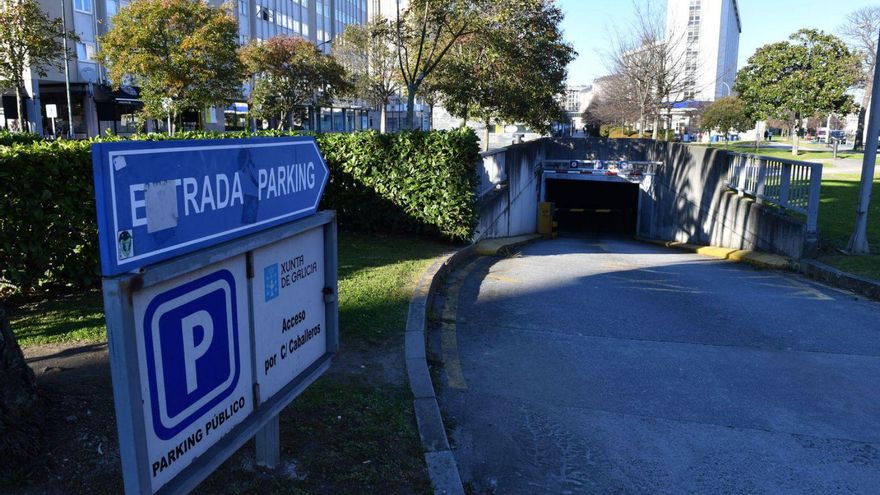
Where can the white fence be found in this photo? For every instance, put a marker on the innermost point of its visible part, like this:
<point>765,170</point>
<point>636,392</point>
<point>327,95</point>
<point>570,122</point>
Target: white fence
<point>789,184</point>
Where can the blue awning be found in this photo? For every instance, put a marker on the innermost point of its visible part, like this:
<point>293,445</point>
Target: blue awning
<point>689,104</point>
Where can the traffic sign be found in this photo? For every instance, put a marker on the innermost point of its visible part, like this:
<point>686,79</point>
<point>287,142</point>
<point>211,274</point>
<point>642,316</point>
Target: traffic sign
<point>51,111</point>
<point>194,348</point>
<point>161,199</point>
<point>208,348</point>
<point>289,313</point>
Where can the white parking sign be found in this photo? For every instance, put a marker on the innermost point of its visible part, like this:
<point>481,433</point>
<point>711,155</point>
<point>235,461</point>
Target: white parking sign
<point>194,346</point>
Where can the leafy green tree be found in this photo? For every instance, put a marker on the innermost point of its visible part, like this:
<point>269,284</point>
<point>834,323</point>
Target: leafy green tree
<point>725,115</point>
<point>425,32</point>
<point>367,53</point>
<point>510,69</point>
<point>28,39</point>
<point>290,72</point>
<point>183,54</point>
<point>807,75</point>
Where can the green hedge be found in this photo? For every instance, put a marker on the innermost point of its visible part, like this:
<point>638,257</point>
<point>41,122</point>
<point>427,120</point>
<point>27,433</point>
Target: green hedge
<point>9,138</point>
<point>421,182</point>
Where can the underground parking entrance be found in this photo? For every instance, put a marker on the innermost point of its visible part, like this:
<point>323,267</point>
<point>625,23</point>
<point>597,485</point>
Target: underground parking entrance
<point>592,197</point>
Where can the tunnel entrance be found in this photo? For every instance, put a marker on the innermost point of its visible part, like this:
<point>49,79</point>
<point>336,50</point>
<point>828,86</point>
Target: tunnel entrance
<point>604,206</point>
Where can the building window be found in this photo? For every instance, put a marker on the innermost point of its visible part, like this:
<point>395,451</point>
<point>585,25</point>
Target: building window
<point>83,6</point>
<point>85,51</point>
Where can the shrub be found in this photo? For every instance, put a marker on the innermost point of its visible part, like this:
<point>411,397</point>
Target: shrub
<point>420,182</point>
<point>47,214</point>
<point>9,138</point>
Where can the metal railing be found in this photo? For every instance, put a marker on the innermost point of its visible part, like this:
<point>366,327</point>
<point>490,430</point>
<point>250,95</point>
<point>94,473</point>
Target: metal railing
<point>789,184</point>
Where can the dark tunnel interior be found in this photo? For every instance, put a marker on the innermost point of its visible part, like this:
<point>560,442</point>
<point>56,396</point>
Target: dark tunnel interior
<point>594,206</point>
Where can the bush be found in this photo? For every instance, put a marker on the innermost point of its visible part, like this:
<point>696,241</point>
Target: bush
<point>9,138</point>
<point>421,182</point>
<point>47,214</point>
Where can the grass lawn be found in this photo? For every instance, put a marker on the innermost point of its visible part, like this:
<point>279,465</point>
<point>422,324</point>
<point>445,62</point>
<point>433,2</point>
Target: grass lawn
<point>805,152</point>
<point>836,220</point>
<point>353,431</point>
<point>60,319</point>
<point>374,290</point>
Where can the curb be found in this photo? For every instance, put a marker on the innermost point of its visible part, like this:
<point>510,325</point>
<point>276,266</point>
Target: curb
<point>761,260</point>
<point>442,468</point>
<point>832,276</point>
<point>505,245</point>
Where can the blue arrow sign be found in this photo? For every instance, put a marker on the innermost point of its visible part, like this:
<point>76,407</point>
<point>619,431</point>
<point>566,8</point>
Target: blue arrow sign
<point>160,199</point>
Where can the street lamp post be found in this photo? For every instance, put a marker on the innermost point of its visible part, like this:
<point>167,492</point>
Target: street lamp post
<point>729,91</point>
<point>67,71</point>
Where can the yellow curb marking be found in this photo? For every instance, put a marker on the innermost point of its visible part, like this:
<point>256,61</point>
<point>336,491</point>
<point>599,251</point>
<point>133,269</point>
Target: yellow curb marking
<point>448,330</point>
<point>451,362</point>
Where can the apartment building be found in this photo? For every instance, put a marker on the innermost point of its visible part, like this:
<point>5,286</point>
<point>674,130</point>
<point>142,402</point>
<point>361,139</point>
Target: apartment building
<point>98,108</point>
<point>705,35</point>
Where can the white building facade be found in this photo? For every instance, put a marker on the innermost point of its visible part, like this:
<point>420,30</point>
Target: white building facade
<point>705,33</point>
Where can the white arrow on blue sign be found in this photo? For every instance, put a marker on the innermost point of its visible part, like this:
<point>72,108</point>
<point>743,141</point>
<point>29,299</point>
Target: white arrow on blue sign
<point>161,199</point>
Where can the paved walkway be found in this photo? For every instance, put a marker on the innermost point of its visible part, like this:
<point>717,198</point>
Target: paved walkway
<point>609,366</point>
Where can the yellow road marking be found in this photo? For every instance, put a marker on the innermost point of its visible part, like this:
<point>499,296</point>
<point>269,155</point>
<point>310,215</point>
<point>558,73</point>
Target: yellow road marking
<point>451,362</point>
<point>448,330</point>
<point>802,289</point>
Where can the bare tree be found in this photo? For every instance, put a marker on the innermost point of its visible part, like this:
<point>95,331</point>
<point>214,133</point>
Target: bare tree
<point>613,101</point>
<point>649,60</point>
<point>860,30</point>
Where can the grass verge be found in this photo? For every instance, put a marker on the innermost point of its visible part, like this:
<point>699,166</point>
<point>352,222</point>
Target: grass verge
<point>840,196</point>
<point>805,153</point>
<point>60,319</point>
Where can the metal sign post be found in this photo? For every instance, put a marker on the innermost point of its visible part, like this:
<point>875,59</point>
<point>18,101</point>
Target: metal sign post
<point>858,242</point>
<point>221,323</point>
<point>52,113</point>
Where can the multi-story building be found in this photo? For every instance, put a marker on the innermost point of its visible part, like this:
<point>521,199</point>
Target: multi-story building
<point>704,36</point>
<point>575,100</point>
<point>97,108</point>
<point>705,33</point>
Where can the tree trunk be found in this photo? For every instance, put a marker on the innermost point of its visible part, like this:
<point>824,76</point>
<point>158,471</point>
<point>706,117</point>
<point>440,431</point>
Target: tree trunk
<point>22,111</point>
<point>641,122</point>
<point>858,140</point>
<point>411,106</point>
<point>654,132</point>
<point>795,135</point>
<point>18,398</point>
<point>382,117</point>
<point>488,123</point>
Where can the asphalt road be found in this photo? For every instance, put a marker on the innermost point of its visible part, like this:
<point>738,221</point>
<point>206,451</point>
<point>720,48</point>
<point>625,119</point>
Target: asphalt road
<point>609,366</point>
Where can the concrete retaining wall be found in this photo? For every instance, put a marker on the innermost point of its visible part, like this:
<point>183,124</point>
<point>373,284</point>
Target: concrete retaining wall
<point>509,186</point>
<point>688,201</point>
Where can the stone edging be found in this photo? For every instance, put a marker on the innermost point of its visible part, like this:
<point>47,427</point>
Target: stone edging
<point>442,468</point>
<point>832,276</point>
<point>438,456</point>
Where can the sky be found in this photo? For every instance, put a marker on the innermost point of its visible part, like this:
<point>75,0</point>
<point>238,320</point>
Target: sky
<point>588,25</point>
